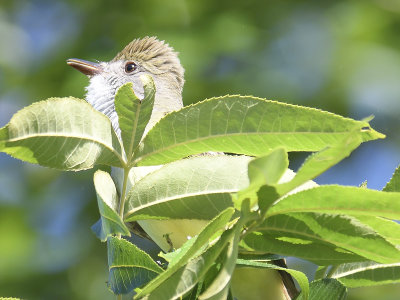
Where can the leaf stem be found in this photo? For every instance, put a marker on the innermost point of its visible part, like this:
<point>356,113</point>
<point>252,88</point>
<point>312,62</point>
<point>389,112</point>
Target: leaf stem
<point>123,193</point>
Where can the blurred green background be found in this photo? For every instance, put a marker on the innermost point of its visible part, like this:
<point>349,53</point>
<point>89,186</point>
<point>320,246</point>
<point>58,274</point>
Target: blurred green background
<point>342,56</point>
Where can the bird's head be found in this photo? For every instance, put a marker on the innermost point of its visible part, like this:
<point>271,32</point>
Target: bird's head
<point>141,56</point>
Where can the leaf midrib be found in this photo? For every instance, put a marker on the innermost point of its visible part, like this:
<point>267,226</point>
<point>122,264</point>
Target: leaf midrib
<point>359,270</point>
<point>331,209</point>
<point>134,129</point>
<point>176,197</point>
<point>133,266</point>
<point>58,135</point>
<point>217,136</point>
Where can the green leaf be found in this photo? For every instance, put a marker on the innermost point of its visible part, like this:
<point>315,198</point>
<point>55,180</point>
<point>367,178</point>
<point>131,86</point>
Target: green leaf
<point>300,277</point>
<point>186,278</point>
<point>191,248</point>
<point>244,125</point>
<point>199,188</point>
<point>129,267</point>
<point>318,253</point>
<point>389,229</point>
<point>340,200</point>
<point>322,239</point>
<point>268,169</point>
<point>394,184</point>
<point>321,161</point>
<point>219,288</point>
<point>62,133</point>
<point>133,113</point>
<point>326,289</point>
<point>107,200</point>
<point>342,231</point>
<point>267,195</point>
<point>264,170</point>
<point>367,274</point>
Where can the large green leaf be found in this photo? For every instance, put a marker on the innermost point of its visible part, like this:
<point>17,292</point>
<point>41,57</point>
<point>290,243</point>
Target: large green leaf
<point>327,289</point>
<point>394,184</point>
<point>337,199</point>
<point>107,200</point>
<point>62,133</point>
<point>344,232</point>
<point>133,113</point>
<point>186,278</point>
<point>300,277</point>
<point>193,188</point>
<point>319,162</point>
<point>389,229</point>
<point>191,248</point>
<point>129,267</point>
<point>318,253</point>
<point>287,235</point>
<point>245,125</point>
<point>367,274</point>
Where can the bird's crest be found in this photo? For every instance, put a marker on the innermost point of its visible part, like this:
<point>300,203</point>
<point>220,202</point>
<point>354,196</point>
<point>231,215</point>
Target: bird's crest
<point>155,55</point>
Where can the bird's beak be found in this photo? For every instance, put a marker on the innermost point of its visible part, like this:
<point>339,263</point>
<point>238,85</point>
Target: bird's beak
<point>86,67</point>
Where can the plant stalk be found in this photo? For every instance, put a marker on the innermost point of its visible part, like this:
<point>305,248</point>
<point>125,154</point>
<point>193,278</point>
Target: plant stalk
<point>331,271</point>
<point>123,193</point>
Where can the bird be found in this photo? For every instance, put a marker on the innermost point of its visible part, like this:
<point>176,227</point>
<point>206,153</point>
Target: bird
<point>156,58</point>
<point>141,56</point>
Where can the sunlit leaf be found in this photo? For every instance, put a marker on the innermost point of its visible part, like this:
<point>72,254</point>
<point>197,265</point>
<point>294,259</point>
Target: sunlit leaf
<point>319,162</point>
<point>129,267</point>
<point>344,232</point>
<point>341,200</point>
<point>312,239</point>
<point>318,253</point>
<point>244,125</point>
<point>394,184</point>
<point>268,169</point>
<point>389,229</point>
<point>367,274</point>
<point>62,133</point>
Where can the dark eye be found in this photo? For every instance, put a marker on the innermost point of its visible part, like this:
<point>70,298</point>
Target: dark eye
<point>130,67</point>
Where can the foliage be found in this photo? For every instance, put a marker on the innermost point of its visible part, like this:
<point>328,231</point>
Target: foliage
<point>251,205</point>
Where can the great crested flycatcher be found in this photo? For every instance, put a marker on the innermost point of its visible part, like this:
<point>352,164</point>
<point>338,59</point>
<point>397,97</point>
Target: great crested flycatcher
<point>159,60</point>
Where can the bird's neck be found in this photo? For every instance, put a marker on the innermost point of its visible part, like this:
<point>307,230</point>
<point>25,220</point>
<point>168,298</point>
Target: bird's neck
<point>100,94</point>
<point>167,99</point>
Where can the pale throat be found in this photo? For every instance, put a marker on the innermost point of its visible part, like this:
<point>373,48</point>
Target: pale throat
<point>101,93</point>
